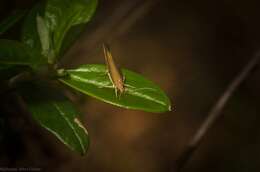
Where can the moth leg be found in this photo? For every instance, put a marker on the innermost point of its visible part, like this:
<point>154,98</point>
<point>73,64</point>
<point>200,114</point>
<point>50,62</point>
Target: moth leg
<point>120,93</point>
<point>123,78</point>
<point>110,78</point>
<point>129,86</point>
<point>116,92</point>
<point>126,85</point>
<point>106,86</point>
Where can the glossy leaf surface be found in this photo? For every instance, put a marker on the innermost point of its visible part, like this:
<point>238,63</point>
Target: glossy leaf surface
<point>56,114</point>
<point>140,93</point>
<point>62,15</point>
<point>30,35</point>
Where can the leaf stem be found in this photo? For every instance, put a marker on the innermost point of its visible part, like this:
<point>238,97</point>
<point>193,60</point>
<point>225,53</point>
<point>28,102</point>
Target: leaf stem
<point>24,76</point>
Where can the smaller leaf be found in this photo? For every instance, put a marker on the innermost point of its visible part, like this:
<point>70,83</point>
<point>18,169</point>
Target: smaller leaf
<point>30,35</point>
<point>55,113</point>
<point>15,53</point>
<point>62,15</point>
<point>140,93</point>
<point>11,20</point>
<point>44,35</point>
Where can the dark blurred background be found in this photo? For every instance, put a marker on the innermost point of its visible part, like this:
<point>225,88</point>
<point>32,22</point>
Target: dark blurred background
<point>192,49</point>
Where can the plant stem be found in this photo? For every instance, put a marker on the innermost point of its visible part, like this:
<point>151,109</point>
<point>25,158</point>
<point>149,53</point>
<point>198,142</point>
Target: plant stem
<point>24,76</point>
<point>215,113</point>
<point>12,82</point>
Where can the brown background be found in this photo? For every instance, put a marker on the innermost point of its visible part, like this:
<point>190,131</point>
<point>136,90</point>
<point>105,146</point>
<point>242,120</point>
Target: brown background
<point>192,49</point>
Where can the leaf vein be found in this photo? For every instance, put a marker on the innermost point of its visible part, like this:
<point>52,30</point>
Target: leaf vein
<point>70,124</point>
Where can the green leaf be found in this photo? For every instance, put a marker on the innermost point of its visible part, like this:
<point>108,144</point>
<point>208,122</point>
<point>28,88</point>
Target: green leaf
<point>15,53</point>
<point>44,35</point>
<point>30,34</point>
<point>56,114</point>
<point>62,15</point>
<point>140,93</point>
<point>71,37</point>
<point>47,25</point>
<point>11,20</point>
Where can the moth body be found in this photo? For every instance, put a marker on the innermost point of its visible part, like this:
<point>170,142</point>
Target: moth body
<point>114,72</point>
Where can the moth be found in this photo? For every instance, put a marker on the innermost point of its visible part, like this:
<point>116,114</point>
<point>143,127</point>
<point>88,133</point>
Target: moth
<point>116,76</point>
<point>114,73</point>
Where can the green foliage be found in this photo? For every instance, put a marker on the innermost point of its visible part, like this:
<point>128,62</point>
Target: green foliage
<point>14,53</point>
<point>49,29</point>
<point>139,94</point>
<point>56,113</point>
<point>61,16</point>
<point>30,36</point>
